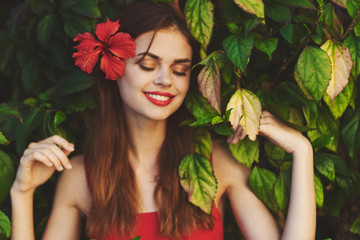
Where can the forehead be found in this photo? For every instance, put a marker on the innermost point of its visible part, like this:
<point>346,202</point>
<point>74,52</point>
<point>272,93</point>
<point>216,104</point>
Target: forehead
<point>167,44</point>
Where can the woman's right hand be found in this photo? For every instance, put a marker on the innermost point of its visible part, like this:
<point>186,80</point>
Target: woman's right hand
<point>39,162</point>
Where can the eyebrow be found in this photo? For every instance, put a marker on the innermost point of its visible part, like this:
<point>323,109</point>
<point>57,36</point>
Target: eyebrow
<point>182,60</point>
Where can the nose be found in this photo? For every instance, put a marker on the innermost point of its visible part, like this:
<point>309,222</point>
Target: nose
<point>164,77</point>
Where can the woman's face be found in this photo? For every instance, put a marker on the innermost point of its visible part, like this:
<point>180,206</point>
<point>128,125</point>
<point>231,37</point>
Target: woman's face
<point>155,87</point>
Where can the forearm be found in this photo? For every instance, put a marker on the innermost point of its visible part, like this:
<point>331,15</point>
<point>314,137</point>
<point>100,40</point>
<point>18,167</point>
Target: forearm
<point>301,219</point>
<point>22,215</point>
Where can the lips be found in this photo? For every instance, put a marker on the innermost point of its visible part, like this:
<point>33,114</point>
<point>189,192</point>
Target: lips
<point>159,98</point>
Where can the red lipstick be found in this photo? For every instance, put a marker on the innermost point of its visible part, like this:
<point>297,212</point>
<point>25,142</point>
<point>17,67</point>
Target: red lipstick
<point>159,98</point>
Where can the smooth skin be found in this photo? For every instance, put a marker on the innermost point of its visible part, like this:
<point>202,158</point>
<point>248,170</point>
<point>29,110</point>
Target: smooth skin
<point>147,126</point>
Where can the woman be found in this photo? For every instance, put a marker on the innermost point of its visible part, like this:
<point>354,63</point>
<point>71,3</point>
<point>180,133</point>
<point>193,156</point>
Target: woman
<point>127,184</point>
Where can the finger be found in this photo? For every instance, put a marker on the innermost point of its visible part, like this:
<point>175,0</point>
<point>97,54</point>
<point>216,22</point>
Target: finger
<point>56,155</point>
<point>61,155</point>
<point>61,142</point>
<point>35,155</point>
<point>53,158</point>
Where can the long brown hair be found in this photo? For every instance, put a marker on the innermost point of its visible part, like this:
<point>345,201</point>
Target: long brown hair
<point>113,189</point>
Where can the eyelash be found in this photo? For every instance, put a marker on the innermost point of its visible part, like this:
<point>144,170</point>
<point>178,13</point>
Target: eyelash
<point>152,69</point>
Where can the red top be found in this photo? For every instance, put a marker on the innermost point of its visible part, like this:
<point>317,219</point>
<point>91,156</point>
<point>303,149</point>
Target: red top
<point>147,226</point>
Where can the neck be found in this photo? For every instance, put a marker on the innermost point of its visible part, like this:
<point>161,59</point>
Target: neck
<point>147,138</point>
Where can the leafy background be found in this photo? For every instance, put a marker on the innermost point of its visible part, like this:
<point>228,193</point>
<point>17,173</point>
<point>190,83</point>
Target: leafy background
<point>299,59</point>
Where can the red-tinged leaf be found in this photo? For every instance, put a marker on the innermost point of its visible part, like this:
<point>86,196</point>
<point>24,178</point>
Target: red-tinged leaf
<point>255,7</point>
<point>122,45</point>
<point>112,66</point>
<point>198,180</point>
<point>341,66</point>
<point>209,83</point>
<point>106,29</point>
<point>246,112</point>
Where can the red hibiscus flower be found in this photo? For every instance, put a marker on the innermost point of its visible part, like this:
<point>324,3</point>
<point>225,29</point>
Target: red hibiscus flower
<point>113,47</point>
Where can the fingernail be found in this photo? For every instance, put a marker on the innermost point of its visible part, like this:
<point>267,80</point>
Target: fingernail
<point>71,147</point>
<point>69,166</point>
<point>50,164</point>
<point>61,168</point>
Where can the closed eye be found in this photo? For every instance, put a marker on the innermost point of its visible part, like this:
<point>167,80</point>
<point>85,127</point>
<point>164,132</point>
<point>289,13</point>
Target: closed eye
<point>146,68</point>
<point>180,73</point>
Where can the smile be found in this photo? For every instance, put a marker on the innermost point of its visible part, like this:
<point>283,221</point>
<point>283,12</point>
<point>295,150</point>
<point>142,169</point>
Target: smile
<point>159,98</point>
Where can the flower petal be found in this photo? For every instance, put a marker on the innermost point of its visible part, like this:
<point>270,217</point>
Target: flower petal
<point>112,66</point>
<point>86,60</point>
<point>122,45</point>
<point>87,42</point>
<point>106,29</point>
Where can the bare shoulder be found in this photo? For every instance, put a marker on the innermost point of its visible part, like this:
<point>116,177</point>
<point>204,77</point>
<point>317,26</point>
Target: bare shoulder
<point>228,170</point>
<point>73,185</point>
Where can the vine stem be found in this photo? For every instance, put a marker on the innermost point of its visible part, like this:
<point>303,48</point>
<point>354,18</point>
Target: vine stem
<point>238,85</point>
<point>351,27</point>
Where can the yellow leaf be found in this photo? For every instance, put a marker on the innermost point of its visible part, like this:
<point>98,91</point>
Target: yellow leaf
<point>246,112</point>
<point>341,63</point>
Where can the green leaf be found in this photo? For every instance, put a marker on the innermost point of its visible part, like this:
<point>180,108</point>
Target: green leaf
<point>314,69</point>
<point>267,46</point>
<point>203,144</point>
<point>245,151</point>
<point>7,174</point>
<point>223,129</point>
<point>87,8</point>
<point>5,226</point>
<point>216,120</point>
<point>136,238</point>
<point>352,7</point>
<point>73,82</point>
<point>209,82</point>
<point>31,121</point>
<point>288,32</point>
<point>282,190</point>
<point>44,29</point>
<point>75,25</point>
<point>277,156</point>
<point>322,141</point>
<point>340,165</point>
<point>262,183</point>
<point>341,101</point>
<point>238,50</point>
<point>331,21</point>
<point>341,65</point>
<point>3,139</point>
<point>297,3</point>
<point>301,84</point>
<point>325,166</point>
<point>204,120</point>
<point>278,13</point>
<point>200,20</point>
<point>60,117</point>
<point>319,192</point>
<point>350,132</point>
<point>8,111</point>
<point>326,125</point>
<point>30,74</point>
<point>353,43</point>
<point>246,112</point>
<point>198,180</point>
<point>355,227</point>
<point>255,7</point>
<point>198,105</point>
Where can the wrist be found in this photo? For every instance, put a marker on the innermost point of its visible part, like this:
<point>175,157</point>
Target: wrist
<point>17,191</point>
<point>303,147</point>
